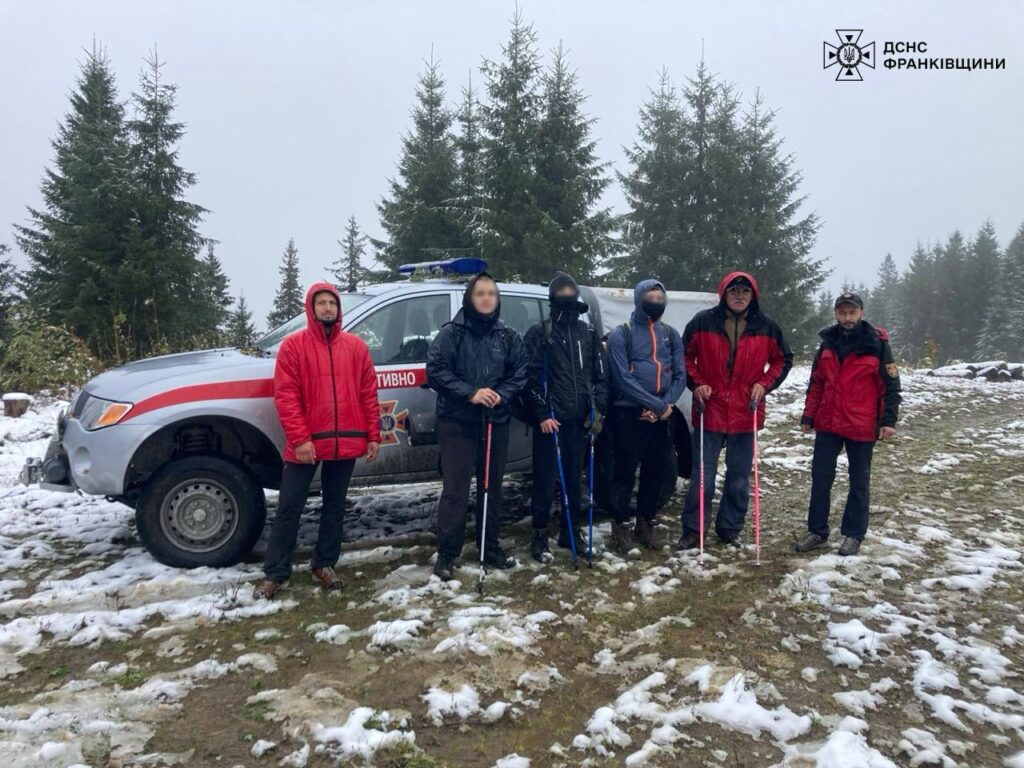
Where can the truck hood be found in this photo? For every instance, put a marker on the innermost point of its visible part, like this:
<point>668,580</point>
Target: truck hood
<point>153,375</point>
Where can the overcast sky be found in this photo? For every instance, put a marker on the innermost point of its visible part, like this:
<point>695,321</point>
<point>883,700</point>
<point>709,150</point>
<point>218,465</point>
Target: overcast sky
<point>295,110</point>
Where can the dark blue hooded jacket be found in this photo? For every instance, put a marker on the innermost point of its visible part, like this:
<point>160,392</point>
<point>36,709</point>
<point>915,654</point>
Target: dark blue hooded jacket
<point>649,371</point>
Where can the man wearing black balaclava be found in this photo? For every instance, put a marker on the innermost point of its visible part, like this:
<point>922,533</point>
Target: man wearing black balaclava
<point>566,393</point>
<point>645,360</point>
<point>477,366</point>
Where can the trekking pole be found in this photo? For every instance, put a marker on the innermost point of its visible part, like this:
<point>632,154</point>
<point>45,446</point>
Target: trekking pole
<point>565,496</point>
<point>487,486</point>
<point>590,495</point>
<point>757,493</point>
<point>700,527</point>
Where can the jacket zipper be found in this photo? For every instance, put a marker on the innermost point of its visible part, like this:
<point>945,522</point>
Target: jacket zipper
<point>654,356</point>
<point>575,389</point>
<point>334,395</point>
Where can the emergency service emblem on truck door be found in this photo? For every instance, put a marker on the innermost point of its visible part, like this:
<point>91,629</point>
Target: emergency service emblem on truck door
<point>392,422</point>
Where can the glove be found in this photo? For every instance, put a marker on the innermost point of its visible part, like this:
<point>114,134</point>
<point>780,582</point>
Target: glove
<point>594,424</point>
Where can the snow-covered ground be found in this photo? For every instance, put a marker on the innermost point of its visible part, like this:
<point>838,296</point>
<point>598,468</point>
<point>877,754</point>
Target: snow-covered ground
<point>909,654</point>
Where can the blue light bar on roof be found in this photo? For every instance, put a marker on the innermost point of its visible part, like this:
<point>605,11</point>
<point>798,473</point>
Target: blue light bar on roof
<point>463,266</point>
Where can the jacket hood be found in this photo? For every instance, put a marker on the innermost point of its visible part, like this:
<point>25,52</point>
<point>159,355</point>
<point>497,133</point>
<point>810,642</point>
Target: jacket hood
<point>643,287</point>
<point>732,276</point>
<point>469,312</point>
<point>312,323</point>
<point>564,307</point>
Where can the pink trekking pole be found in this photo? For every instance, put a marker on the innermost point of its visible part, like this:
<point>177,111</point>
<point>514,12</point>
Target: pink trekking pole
<point>757,494</point>
<point>700,527</point>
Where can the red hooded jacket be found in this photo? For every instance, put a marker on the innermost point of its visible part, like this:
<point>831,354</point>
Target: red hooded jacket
<point>761,357</point>
<point>325,388</point>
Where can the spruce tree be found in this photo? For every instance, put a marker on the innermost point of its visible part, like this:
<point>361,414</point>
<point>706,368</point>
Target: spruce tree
<point>468,200</point>
<point>651,232</point>
<point>240,330</point>
<point>947,314</point>
<point>161,278</point>
<point>981,274</point>
<point>215,302</point>
<point>290,297</point>
<point>348,270</point>
<point>1004,317</point>
<point>883,310</point>
<point>419,214</point>
<point>510,119</point>
<point>917,301</point>
<point>8,291</point>
<point>573,233</point>
<point>77,242</point>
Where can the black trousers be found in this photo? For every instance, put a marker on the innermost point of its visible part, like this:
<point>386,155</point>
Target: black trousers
<point>739,459</point>
<point>638,444</point>
<point>572,439</point>
<point>295,480</point>
<point>462,446</point>
<point>827,447</point>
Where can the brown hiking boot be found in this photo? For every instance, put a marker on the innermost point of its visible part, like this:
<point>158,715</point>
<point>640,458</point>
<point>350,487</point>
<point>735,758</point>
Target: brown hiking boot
<point>327,578</point>
<point>267,590</point>
<point>622,538</point>
<point>644,533</point>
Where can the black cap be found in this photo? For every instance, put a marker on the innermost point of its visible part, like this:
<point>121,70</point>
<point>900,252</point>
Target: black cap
<point>739,280</point>
<point>849,297</point>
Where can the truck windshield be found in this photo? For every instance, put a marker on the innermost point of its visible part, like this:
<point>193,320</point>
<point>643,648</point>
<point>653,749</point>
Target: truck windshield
<point>273,339</point>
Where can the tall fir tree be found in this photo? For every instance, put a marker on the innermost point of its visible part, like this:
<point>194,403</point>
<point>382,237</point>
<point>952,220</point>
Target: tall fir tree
<point>161,276</point>
<point>348,271</point>
<point>469,186</point>
<point>949,290</point>
<point>288,302</point>
<point>8,291</point>
<point>510,118</point>
<point>214,306</point>
<point>884,307</point>
<point>419,213</point>
<point>1001,336</point>
<point>77,242</point>
<point>240,331</point>
<point>651,231</point>
<point>573,233</point>
<point>917,297</point>
<point>979,285</point>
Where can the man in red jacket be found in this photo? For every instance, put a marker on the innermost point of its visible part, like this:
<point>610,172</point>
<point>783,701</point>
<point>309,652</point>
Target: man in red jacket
<point>735,355</point>
<point>853,399</point>
<point>325,390</point>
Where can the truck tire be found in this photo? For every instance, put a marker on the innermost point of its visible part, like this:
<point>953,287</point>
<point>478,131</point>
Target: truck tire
<point>200,511</point>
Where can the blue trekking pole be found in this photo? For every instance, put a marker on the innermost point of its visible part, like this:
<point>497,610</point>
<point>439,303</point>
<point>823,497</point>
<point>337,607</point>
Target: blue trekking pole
<point>590,495</point>
<point>565,495</point>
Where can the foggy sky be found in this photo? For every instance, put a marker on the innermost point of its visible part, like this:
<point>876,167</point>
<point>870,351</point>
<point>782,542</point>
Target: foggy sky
<point>295,110</point>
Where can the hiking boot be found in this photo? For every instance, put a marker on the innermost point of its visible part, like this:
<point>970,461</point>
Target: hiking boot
<point>810,541</point>
<point>644,533</point>
<point>579,539</point>
<point>622,538</point>
<point>496,557</point>
<point>539,546</point>
<point>689,540</point>
<point>327,579</point>
<point>444,568</point>
<point>850,546</point>
<point>730,539</point>
<point>267,590</point>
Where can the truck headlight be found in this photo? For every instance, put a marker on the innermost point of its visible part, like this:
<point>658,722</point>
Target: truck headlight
<point>97,413</point>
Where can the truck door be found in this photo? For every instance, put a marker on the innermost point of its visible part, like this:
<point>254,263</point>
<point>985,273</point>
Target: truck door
<point>399,334</point>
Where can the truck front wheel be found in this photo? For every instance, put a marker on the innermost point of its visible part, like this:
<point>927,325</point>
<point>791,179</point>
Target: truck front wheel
<point>200,511</point>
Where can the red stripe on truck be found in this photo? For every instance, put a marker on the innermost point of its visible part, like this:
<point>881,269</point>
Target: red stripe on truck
<point>256,388</point>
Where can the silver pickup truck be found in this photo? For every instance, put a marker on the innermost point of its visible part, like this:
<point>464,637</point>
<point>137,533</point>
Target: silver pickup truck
<point>191,440</point>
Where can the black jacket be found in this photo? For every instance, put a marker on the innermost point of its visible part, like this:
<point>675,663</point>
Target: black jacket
<point>464,357</point>
<point>570,357</point>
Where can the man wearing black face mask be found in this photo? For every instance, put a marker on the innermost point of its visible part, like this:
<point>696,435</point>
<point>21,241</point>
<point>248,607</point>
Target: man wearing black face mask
<point>566,392</point>
<point>645,358</point>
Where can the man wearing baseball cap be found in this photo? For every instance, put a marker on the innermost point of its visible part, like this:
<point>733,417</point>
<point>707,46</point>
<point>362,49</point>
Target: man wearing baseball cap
<point>852,401</point>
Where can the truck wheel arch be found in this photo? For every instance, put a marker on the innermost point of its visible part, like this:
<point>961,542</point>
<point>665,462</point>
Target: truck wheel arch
<point>223,436</point>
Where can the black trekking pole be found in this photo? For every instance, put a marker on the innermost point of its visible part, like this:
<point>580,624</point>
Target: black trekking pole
<point>590,492</point>
<point>487,485</point>
<point>565,496</point>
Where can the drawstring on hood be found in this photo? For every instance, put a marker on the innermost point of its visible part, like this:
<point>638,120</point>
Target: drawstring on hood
<point>478,321</point>
<point>567,307</point>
